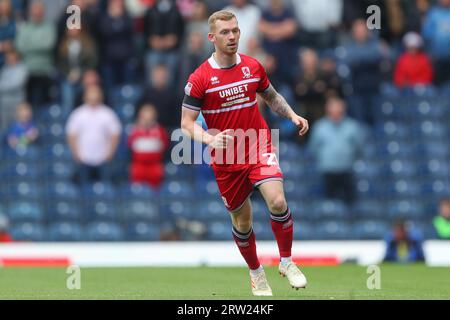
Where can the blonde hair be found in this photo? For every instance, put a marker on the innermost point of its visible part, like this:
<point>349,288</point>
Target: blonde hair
<point>220,15</point>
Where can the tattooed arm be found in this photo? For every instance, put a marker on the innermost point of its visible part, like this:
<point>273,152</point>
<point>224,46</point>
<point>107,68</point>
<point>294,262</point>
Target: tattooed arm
<point>279,105</point>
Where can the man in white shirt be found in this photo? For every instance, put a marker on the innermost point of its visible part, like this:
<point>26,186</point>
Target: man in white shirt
<point>93,132</point>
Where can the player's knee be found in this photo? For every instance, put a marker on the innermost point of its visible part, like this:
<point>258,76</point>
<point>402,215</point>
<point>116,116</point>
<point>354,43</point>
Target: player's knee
<point>278,205</point>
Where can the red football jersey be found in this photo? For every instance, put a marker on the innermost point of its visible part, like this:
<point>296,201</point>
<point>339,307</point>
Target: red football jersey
<point>148,144</point>
<point>227,99</point>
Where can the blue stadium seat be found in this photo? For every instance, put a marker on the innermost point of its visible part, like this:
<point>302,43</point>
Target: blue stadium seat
<point>100,190</point>
<point>30,153</point>
<point>49,113</point>
<point>104,231</point>
<point>290,151</point>
<point>126,93</point>
<point>301,210</point>
<point>64,190</point>
<point>211,210</point>
<point>65,231</point>
<point>143,231</point>
<point>370,229</point>
<point>330,209</point>
<point>405,209</point>
<point>402,169</point>
<point>63,210</point>
<point>137,191</point>
<point>429,110</point>
<point>25,212</point>
<point>25,190</point>
<point>437,168</point>
<point>125,112</point>
<point>178,190</point>
<point>28,232</point>
<point>60,170</point>
<point>178,209</point>
<point>333,230</point>
<point>368,209</point>
<point>219,231</point>
<point>404,188</point>
<point>426,228</point>
<point>432,130</point>
<point>262,230</point>
<point>392,130</point>
<point>141,210</point>
<point>54,133</point>
<point>296,189</point>
<point>371,189</point>
<point>439,149</point>
<point>367,169</point>
<point>101,210</point>
<point>22,171</point>
<point>59,151</point>
<point>304,231</point>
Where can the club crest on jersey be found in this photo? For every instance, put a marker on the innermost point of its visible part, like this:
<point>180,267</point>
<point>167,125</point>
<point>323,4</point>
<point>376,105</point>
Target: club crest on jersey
<point>246,72</point>
<point>215,80</point>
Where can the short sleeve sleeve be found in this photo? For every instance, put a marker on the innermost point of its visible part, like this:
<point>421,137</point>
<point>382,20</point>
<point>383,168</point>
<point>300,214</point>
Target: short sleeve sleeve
<point>73,124</point>
<point>264,82</point>
<point>193,93</point>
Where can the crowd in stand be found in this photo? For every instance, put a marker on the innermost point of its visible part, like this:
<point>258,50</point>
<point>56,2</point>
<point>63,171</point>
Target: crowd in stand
<point>318,53</point>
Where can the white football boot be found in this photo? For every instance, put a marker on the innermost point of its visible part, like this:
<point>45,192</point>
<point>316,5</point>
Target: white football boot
<point>260,286</point>
<point>296,278</point>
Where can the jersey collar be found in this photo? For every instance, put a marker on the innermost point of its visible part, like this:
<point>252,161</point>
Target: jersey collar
<point>213,63</point>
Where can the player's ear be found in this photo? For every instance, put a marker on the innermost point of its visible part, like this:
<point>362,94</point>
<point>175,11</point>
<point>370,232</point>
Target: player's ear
<point>211,37</point>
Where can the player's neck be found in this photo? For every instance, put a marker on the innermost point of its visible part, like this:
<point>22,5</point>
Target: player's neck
<point>224,60</point>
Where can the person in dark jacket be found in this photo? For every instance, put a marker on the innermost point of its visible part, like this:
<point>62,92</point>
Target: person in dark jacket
<point>404,245</point>
<point>115,31</point>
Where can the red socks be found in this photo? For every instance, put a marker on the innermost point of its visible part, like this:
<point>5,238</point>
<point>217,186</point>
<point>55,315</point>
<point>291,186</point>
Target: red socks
<point>283,229</point>
<point>247,246</point>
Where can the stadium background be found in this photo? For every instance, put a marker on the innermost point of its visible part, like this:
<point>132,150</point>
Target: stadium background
<point>402,171</point>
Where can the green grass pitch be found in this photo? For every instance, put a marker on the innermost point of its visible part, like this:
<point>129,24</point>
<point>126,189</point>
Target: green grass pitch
<point>344,282</point>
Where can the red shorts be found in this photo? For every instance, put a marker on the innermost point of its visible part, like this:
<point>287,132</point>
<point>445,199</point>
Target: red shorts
<point>237,185</point>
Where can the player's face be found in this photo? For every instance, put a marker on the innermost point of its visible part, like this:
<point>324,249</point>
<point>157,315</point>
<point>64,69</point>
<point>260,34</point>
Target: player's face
<point>225,36</point>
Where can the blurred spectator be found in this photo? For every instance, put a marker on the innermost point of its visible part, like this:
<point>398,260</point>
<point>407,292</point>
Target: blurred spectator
<point>413,67</point>
<point>163,29</point>
<point>403,245</point>
<point>89,79</point>
<point>115,30</point>
<point>436,31</point>
<point>319,20</point>
<point>89,18</point>
<point>13,79</point>
<point>193,55</point>
<point>442,221</point>
<point>35,41</point>
<point>199,24</point>
<point>335,142</point>
<point>7,28</point>
<point>278,28</point>
<point>77,53</point>
<point>248,16</point>
<point>162,96</point>
<point>4,235</point>
<point>148,141</point>
<point>93,132</point>
<point>54,9</point>
<point>23,131</point>
<point>364,54</point>
<point>317,80</point>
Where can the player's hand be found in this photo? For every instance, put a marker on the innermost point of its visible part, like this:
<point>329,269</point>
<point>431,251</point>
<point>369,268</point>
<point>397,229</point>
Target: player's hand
<point>302,124</point>
<point>221,140</point>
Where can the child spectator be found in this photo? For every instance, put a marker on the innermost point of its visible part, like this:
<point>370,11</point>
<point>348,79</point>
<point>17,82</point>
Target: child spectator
<point>148,141</point>
<point>23,132</point>
<point>442,221</point>
<point>413,67</point>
